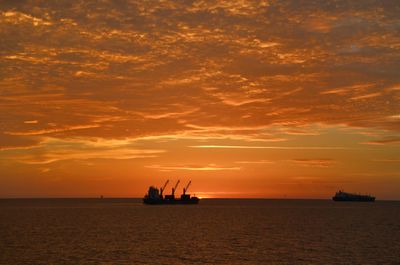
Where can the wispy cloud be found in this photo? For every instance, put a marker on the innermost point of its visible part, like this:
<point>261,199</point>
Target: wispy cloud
<point>31,122</point>
<point>256,162</point>
<point>270,147</point>
<point>53,130</point>
<point>385,141</point>
<point>209,167</point>
<point>19,18</point>
<point>348,89</point>
<point>167,114</point>
<point>313,162</point>
<point>389,160</point>
<point>53,150</point>
<point>66,154</point>
<point>367,96</point>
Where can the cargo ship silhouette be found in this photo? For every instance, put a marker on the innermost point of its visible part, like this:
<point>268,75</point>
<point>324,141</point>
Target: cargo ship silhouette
<point>155,195</point>
<point>351,197</point>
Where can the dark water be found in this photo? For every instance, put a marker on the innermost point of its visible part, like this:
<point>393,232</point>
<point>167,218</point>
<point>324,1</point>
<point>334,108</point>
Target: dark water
<point>123,231</point>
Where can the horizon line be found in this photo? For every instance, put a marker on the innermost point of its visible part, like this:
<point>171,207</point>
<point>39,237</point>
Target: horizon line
<point>201,198</point>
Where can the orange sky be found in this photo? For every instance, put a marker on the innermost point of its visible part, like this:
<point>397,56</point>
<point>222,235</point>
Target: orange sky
<point>245,98</point>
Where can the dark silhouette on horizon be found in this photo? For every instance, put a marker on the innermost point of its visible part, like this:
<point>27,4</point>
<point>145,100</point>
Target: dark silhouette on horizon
<point>346,196</point>
<point>155,195</point>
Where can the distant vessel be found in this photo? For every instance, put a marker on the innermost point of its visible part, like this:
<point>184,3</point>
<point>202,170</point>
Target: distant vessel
<point>155,196</point>
<point>350,197</point>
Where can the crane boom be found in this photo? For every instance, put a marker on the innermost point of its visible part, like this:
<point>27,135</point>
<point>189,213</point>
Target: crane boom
<point>176,186</point>
<point>165,185</point>
<point>187,187</point>
<point>163,188</point>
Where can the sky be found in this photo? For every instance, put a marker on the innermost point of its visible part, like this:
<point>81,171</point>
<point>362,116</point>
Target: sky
<point>258,99</point>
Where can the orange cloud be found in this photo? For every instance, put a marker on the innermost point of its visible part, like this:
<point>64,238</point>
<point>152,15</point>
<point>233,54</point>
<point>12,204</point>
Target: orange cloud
<point>270,147</point>
<point>53,130</point>
<point>314,162</point>
<point>210,167</point>
<point>389,140</point>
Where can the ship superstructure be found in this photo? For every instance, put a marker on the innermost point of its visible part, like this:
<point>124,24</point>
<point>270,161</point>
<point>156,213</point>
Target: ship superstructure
<point>346,196</point>
<point>155,195</point>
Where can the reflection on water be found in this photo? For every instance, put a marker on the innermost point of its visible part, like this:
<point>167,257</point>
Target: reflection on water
<point>123,231</point>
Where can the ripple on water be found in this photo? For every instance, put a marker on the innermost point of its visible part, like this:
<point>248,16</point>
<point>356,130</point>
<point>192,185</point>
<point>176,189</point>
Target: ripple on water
<point>113,231</point>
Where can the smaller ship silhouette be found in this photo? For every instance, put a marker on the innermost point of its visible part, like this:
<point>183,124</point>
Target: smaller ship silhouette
<point>347,197</point>
<point>155,195</point>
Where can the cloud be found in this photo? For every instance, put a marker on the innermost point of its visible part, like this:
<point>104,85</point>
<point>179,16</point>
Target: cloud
<point>31,122</point>
<point>270,147</point>
<point>387,160</point>
<point>367,96</point>
<point>53,150</point>
<point>10,142</point>
<point>256,162</point>
<point>117,79</point>
<point>210,167</point>
<point>347,89</point>
<point>73,154</point>
<point>385,141</point>
<point>45,170</point>
<point>141,61</point>
<point>313,162</point>
<point>53,130</point>
<point>19,17</point>
<point>167,114</point>
<point>236,102</point>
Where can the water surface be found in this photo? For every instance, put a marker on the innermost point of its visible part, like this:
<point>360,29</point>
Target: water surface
<point>123,231</point>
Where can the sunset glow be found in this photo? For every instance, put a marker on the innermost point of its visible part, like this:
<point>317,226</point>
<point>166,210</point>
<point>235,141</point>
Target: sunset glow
<point>258,99</point>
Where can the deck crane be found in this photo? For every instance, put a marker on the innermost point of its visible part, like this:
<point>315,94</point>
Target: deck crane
<point>186,188</point>
<point>174,188</point>
<point>163,188</point>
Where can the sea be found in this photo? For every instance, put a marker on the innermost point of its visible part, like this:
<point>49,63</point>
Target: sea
<point>216,231</point>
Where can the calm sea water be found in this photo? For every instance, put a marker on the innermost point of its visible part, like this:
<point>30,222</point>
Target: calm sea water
<point>123,231</point>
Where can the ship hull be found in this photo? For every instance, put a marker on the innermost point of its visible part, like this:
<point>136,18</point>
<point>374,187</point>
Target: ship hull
<point>193,200</point>
<point>353,199</point>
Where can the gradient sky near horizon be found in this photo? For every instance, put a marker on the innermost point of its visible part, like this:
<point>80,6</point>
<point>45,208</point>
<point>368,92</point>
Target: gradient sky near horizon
<point>284,99</point>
